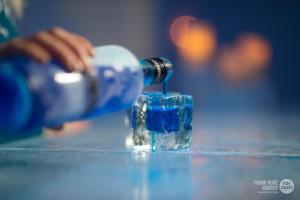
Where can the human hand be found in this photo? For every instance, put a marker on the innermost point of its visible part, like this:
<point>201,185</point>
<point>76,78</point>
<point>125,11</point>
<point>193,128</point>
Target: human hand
<point>73,51</point>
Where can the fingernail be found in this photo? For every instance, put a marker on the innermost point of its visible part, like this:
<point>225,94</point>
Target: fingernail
<point>80,66</point>
<point>92,51</point>
<point>88,61</point>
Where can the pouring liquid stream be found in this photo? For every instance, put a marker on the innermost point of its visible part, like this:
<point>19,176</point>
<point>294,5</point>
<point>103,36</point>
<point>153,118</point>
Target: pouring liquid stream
<point>165,87</point>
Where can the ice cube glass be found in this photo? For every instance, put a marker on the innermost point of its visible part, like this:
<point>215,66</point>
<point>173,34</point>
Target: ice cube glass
<point>162,121</point>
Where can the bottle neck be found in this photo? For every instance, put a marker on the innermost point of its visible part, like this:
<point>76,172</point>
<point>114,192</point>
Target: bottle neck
<point>156,70</point>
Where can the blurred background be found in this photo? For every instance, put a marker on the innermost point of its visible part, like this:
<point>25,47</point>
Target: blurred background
<point>230,55</point>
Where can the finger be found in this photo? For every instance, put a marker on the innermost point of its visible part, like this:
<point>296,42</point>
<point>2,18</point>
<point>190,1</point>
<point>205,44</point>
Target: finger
<point>36,52</point>
<point>86,43</point>
<point>87,48</point>
<point>77,46</point>
<point>58,50</point>
<point>23,47</point>
<point>7,48</point>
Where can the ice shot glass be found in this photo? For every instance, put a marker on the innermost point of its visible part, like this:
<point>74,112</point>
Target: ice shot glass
<point>162,121</point>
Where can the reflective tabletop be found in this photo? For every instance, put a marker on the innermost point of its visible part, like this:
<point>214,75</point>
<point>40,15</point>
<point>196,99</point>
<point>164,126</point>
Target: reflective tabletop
<point>232,157</point>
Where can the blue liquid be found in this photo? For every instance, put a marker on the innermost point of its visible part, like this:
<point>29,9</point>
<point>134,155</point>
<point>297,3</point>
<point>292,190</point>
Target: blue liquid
<point>165,85</point>
<point>162,121</point>
<point>152,141</point>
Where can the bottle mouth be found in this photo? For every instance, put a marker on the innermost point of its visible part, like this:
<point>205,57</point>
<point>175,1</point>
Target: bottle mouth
<point>157,70</point>
<point>169,68</point>
<point>15,101</point>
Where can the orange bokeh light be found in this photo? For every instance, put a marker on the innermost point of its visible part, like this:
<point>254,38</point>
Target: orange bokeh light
<point>179,27</point>
<point>195,40</point>
<point>229,64</point>
<point>254,50</point>
<point>246,59</point>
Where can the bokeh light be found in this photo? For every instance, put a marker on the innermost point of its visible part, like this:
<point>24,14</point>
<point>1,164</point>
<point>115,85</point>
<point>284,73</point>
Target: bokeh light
<point>179,27</point>
<point>229,63</point>
<point>254,50</point>
<point>246,59</point>
<point>195,40</point>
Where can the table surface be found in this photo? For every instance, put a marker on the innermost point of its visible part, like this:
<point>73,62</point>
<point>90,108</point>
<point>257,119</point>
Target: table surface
<point>228,154</point>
